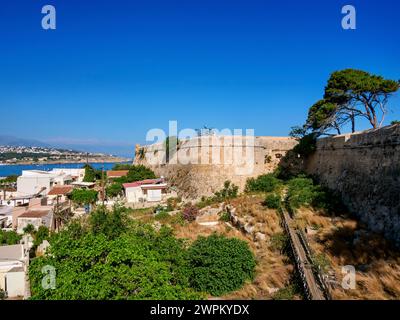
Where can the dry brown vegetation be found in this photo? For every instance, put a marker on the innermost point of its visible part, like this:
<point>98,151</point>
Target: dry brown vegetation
<point>344,241</point>
<point>273,270</point>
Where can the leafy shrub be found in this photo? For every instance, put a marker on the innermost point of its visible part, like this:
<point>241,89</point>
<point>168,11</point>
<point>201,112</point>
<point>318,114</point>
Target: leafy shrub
<point>229,191</point>
<point>40,235</point>
<point>114,190</point>
<point>190,212</point>
<point>303,192</point>
<point>3,294</point>
<point>263,183</point>
<point>206,201</point>
<point>162,215</point>
<point>9,237</point>
<point>225,217</point>
<point>172,203</point>
<point>272,201</point>
<point>220,265</point>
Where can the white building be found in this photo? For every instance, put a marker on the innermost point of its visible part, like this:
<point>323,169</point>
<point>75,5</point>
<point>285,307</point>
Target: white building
<point>76,174</point>
<point>151,190</point>
<point>33,182</point>
<point>13,263</point>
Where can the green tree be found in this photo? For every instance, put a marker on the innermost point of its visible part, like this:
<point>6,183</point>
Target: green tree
<point>122,166</point>
<point>84,196</point>
<point>360,93</point>
<point>229,191</point>
<point>114,190</point>
<point>29,229</point>
<point>263,183</point>
<point>90,173</point>
<point>136,263</point>
<point>40,235</point>
<point>110,223</point>
<point>140,172</point>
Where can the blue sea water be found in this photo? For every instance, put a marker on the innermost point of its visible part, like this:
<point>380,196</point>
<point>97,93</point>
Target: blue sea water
<point>8,170</point>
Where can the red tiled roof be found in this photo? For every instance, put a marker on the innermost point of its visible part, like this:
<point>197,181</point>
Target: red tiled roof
<point>34,214</point>
<point>60,190</point>
<point>140,183</point>
<point>117,173</point>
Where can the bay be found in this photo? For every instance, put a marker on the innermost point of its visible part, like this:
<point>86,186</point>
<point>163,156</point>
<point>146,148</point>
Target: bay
<point>8,170</point>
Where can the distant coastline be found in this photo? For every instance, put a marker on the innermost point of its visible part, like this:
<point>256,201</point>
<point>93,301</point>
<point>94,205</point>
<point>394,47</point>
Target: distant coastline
<point>69,161</point>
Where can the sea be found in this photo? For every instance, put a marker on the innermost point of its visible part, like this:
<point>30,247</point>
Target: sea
<point>8,170</point>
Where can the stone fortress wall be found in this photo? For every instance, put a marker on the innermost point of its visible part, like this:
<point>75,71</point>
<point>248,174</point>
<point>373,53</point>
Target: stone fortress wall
<point>202,165</point>
<point>365,169</point>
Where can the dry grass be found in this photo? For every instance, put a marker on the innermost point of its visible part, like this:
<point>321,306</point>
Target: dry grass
<point>272,272</point>
<point>346,242</point>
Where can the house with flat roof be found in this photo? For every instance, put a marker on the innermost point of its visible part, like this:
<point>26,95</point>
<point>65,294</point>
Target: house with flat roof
<point>37,182</point>
<point>150,190</point>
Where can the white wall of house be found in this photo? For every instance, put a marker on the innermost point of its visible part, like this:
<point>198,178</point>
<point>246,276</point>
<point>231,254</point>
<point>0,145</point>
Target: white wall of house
<point>32,181</point>
<point>154,195</point>
<point>134,194</point>
<point>29,185</point>
<point>15,283</point>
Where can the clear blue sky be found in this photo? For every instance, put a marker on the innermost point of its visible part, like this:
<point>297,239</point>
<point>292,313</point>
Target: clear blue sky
<point>114,69</point>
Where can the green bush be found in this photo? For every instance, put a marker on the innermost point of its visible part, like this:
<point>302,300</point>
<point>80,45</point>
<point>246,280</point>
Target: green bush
<point>273,201</point>
<point>225,217</point>
<point>264,183</point>
<point>114,190</point>
<point>229,191</point>
<point>220,265</point>
<point>162,215</point>
<point>303,192</point>
<point>9,237</point>
<point>40,235</point>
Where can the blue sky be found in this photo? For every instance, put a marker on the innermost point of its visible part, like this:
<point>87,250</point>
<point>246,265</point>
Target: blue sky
<point>112,70</point>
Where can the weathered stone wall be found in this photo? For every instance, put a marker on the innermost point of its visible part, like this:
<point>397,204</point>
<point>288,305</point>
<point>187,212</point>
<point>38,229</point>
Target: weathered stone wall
<point>212,160</point>
<point>365,169</point>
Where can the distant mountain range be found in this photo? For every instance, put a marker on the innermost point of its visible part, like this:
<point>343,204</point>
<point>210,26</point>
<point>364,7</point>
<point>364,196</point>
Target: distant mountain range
<point>20,142</point>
